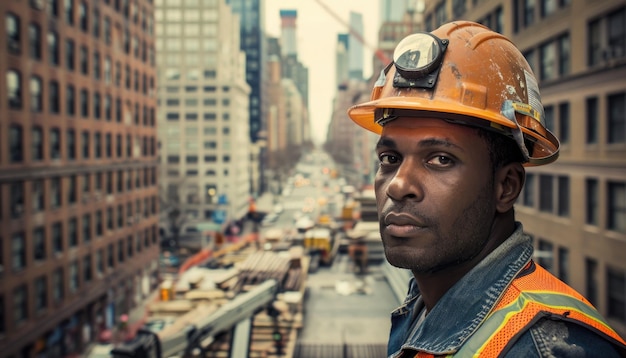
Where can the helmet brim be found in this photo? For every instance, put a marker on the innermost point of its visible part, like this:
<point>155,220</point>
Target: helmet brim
<point>545,149</point>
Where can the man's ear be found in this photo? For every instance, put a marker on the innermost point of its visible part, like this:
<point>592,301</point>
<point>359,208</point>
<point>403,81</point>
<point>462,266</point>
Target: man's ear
<point>509,183</point>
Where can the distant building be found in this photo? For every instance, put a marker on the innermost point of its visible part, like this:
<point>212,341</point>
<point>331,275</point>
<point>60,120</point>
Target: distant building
<point>78,179</point>
<point>252,43</point>
<point>341,60</point>
<point>205,165</point>
<point>355,47</point>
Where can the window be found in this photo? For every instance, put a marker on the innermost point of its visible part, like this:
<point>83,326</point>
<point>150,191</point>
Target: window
<point>616,118</point>
<point>13,33</point>
<point>86,185</point>
<point>110,259</point>
<point>71,144</point>
<point>98,224</point>
<point>14,89</point>
<point>37,143</point>
<point>107,107</point>
<point>57,237</point>
<point>110,219</point>
<point>616,28</point>
<point>16,143</point>
<point>84,60</point>
<point>108,145</point>
<point>107,30</point>
<point>36,94</point>
<point>72,190</point>
<point>39,244</point>
<point>594,46</point>
<point>55,100</point>
<point>591,116</point>
<point>547,61</point>
<point>96,65</point>
<point>69,54</point>
<point>83,18</point>
<point>69,11</point>
<point>616,206</point>
<point>70,100</point>
<point>38,195</point>
<point>18,251</point>
<point>55,143</point>
<point>99,262</point>
<point>20,305</point>
<point>73,278</point>
<point>546,258</point>
<point>53,48</point>
<point>97,141</point>
<point>34,41</point>
<point>591,201</point>
<point>564,264</point>
<point>616,287</point>
<point>53,8</point>
<point>85,144</point>
<point>107,70</point>
<point>591,280</point>
<point>87,270</point>
<point>55,192</point>
<point>58,284</point>
<point>128,79</point>
<point>96,23</point>
<point>72,232</point>
<point>545,193</point>
<point>96,105</point>
<point>563,43</point>
<point>86,228</point>
<point>84,103</point>
<point>41,294</point>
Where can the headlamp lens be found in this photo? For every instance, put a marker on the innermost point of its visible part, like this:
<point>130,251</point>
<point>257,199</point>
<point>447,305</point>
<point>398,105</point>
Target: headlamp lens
<point>417,55</point>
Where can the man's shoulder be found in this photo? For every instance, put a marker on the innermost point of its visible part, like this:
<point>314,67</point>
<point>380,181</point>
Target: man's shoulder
<point>558,338</point>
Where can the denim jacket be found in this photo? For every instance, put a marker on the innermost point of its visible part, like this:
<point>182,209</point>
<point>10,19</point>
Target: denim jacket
<point>459,313</point>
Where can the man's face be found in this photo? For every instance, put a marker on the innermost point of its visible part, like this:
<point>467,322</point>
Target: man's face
<point>434,193</point>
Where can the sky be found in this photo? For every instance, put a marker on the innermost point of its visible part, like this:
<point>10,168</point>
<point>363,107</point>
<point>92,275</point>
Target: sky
<point>316,32</point>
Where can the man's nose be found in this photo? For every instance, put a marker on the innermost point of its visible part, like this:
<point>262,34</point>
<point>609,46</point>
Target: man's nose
<point>405,183</point>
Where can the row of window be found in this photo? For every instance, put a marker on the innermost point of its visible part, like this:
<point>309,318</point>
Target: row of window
<point>193,159</point>
<point>80,232</point>
<point>192,116</point>
<point>137,14</point>
<point>551,59</point>
<point>52,43</point>
<point>55,192</point>
<point>551,194</point>
<point>50,289</point>
<point>173,173</point>
<point>529,12</point>
<point>104,145</point>
<point>615,278</point>
<point>101,106</point>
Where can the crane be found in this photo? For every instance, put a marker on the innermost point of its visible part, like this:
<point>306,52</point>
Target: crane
<point>382,57</point>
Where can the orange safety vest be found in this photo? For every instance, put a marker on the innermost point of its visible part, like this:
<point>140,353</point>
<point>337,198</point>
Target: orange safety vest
<point>527,297</point>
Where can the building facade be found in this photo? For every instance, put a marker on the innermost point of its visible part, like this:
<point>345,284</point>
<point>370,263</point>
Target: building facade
<point>78,179</point>
<point>203,111</point>
<point>575,208</point>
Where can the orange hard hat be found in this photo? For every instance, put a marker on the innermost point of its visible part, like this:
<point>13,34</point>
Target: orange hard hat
<point>464,73</point>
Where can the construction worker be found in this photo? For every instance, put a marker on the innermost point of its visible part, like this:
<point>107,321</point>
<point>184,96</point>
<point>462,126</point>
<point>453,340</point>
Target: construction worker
<point>458,121</point>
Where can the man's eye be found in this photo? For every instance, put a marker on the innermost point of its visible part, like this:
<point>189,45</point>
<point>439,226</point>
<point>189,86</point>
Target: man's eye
<point>388,159</point>
<point>441,160</point>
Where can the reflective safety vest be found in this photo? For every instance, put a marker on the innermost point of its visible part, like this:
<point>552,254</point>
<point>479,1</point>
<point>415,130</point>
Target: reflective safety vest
<point>530,297</point>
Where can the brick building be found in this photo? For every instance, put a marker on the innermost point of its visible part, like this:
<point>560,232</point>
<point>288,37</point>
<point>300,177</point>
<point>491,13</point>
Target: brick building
<point>78,181</point>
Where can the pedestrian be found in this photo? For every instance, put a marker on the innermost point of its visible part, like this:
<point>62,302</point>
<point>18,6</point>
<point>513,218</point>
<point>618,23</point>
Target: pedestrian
<point>458,122</point>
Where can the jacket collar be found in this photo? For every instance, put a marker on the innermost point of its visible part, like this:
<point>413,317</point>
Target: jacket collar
<point>460,312</point>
